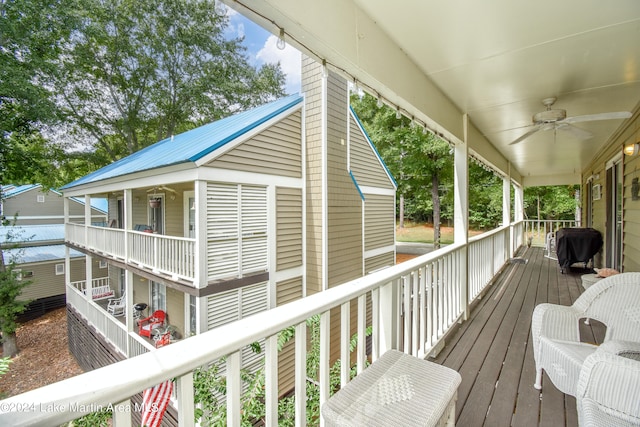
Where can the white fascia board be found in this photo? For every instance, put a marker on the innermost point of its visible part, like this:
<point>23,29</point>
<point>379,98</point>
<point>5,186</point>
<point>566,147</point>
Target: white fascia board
<point>378,191</point>
<point>167,175</point>
<point>247,135</point>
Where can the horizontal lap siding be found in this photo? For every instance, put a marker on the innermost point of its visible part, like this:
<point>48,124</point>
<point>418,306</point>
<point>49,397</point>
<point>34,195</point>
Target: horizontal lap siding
<point>379,213</point>
<point>288,228</point>
<point>343,198</point>
<point>365,164</point>
<point>275,151</point>
<point>379,261</point>
<point>311,86</point>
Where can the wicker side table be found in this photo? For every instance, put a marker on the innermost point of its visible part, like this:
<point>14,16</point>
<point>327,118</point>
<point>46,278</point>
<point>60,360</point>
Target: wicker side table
<point>397,389</point>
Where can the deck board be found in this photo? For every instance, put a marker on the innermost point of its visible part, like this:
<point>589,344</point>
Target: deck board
<point>493,350</point>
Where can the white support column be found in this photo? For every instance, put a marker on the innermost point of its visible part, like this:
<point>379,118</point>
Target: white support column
<point>67,253</point>
<point>506,211</point>
<point>88,259</point>
<point>127,208</point>
<point>201,234</point>
<point>461,213</point>
<point>518,203</point>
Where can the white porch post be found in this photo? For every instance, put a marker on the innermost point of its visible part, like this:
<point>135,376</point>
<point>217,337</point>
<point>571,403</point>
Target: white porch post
<point>200,256</point>
<point>506,212</point>
<point>127,208</point>
<point>67,253</point>
<point>461,213</point>
<point>88,259</point>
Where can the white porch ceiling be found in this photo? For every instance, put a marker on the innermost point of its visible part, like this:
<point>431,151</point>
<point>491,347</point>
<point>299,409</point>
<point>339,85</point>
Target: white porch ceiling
<point>493,61</point>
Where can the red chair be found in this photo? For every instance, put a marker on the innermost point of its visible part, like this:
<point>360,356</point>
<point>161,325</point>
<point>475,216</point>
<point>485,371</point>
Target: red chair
<point>148,324</point>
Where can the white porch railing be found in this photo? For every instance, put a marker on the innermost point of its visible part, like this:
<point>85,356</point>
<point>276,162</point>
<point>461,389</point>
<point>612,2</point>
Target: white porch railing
<point>174,256</point>
<point>100,288</point>
<point>488,252</point>
<point>537,230</point>
<point>111,328</point>
<point>413,305</point>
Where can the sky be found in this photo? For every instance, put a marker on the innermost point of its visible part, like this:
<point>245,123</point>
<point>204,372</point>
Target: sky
<point>261,48</point>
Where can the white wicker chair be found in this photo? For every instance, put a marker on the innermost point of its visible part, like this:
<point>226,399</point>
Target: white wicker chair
<point>608,392</point>
<point>614,301</point>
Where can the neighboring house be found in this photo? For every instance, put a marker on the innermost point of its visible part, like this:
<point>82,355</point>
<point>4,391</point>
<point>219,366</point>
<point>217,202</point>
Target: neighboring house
<point>234,217</point>
<point>38,246</point>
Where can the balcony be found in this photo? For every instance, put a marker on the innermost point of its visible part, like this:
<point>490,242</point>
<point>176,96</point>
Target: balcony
<point>418,306</point>
<point>170,256</point>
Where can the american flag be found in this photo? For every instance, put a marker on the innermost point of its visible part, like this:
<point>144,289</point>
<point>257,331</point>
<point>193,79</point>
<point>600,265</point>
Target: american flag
<point>155,401</point>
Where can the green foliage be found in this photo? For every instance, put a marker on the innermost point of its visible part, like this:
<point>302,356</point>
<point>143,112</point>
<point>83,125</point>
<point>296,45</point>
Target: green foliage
<point>551,202</point>
<point>11,284</point>
<point>485,198</point>
<point>95,419</point>
<point>138,72</point>
<point>210,386</point>
<point>4,365</point>
<point>86,82</point>
<point>418,161</point>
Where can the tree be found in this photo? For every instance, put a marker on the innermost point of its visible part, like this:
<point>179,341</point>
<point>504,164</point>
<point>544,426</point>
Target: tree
<point>11,286</point>
<point>551,202</point>
<point>29,34</point>
<point>135,72</point>
<point>418,160</point>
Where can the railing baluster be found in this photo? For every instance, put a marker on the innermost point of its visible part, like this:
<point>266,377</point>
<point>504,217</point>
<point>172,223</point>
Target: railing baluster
<point>271,380</point>
<point>325,342</point>
<point>345,337</point>
<point>415,315</point>
<point>234,389</point>
<point>362,338</point>
<point>184,393</point>
<point>301,375</point>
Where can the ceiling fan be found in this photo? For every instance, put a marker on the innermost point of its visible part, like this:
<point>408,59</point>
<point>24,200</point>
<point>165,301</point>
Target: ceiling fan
<point>552,119</point>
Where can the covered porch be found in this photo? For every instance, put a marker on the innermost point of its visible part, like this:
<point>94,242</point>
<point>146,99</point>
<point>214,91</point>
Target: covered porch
<point>491,350</point>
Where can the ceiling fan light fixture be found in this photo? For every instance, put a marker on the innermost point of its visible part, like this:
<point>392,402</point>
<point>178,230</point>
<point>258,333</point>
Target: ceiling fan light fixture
<point>632,149</point>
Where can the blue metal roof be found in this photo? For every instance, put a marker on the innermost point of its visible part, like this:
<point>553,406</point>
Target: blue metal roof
<point>33,233</point>
<point>38,254</point>
<point>13,190</point>
<point>192,145</point>
<point>373,147</point>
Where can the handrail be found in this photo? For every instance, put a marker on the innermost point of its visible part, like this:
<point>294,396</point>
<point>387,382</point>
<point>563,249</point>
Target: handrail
<point>401,316</point>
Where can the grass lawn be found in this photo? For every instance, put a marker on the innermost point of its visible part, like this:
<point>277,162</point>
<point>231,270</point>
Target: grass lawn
<point>423,233</point>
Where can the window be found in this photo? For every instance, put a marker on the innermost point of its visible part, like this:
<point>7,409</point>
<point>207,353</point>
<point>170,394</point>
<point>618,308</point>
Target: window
<point>59,269</point>
<point>158,297</point>
<point>18,273</point>
<point>40,198</point>
<point>102,264</point>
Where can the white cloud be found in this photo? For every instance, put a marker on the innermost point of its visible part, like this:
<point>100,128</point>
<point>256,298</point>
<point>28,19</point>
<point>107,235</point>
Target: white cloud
<point>289,59</point>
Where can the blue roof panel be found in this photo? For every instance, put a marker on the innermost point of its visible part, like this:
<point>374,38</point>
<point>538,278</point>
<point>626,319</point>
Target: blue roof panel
<point>38,254</point>
<point>33,233</point>
<point>192,145</point>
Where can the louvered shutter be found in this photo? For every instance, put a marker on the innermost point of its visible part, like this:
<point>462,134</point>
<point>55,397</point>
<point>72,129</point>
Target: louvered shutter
<point>222,231</point>
<point>254,228</point>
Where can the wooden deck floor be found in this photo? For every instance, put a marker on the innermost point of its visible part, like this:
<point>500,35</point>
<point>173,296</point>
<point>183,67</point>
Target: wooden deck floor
<point>493,350</point>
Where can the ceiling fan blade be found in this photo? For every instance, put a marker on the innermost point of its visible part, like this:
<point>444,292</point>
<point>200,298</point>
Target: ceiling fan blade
<point>575,131</point>
<point>535,129</point>
<point>601,116</point>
